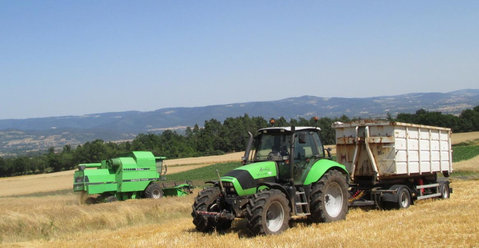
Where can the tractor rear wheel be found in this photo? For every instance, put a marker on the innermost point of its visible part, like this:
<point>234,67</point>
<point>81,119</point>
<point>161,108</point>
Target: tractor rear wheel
<point>270,213</point>
<point>154,191</point>
<point>329,198</point>
<point>207,201</point>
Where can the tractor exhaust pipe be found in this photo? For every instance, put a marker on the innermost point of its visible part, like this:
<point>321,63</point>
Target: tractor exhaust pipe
<point>244,159</point>
<point>222,189</point>
<point>291,155</point>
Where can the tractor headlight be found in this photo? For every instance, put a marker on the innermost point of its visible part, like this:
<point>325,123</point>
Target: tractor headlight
<point>229,187</point>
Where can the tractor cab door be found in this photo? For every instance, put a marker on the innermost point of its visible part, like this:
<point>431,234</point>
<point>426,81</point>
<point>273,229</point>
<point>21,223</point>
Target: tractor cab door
<point>307,150</point>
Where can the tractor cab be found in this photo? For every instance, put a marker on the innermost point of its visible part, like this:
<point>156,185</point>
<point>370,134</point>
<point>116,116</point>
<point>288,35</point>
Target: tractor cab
<point>294,150</point>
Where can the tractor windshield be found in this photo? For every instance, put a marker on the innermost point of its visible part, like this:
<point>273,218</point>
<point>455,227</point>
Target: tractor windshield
<point>272,146</point>
<point>276,146</point>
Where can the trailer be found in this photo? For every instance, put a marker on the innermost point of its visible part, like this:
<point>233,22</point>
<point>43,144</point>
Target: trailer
<point>393,164</point>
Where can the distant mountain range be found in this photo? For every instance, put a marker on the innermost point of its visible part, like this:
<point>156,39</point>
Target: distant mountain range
<point>21,135</point>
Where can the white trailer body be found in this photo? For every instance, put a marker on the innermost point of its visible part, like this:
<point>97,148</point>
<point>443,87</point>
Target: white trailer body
<point>395,162</point>
<point>384,149</point>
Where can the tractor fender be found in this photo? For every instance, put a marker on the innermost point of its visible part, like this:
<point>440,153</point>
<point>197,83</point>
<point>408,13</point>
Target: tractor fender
<point>321,167</point>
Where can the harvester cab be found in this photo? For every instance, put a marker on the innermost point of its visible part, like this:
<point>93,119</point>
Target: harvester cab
<point>285,173</point>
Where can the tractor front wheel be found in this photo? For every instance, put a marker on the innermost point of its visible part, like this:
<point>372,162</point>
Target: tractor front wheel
<point>207,201</point>
<point>329,198</point>
<point>270,212</point>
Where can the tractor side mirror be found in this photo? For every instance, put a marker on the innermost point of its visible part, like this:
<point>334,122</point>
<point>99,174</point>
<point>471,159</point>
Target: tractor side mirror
<point>329,152</point>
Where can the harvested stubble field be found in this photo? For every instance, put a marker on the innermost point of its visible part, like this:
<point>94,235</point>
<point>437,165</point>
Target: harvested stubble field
<point>59,221</point>
<point>34,216</point>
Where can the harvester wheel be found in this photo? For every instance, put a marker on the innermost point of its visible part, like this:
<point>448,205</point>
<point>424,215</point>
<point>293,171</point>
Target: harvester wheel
<point>270,212</point>
<point>207,201</point>
<point>329,198</point>
<point>111,198</point>
<point>154,191</point>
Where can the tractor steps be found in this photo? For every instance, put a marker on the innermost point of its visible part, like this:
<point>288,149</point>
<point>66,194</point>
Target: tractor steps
<point>301,204</point>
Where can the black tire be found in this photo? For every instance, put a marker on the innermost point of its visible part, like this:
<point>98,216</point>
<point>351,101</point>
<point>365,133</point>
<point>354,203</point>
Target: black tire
<point>270,213</point>
<point>111,198</point>
<point>207,201</point>
<point>444,189</point>
<point>154,191</point>
<point>404,198</point>
<point>329,198</point>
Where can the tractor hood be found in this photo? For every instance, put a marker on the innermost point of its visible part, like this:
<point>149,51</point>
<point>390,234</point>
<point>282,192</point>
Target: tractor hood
<point>245,179</point>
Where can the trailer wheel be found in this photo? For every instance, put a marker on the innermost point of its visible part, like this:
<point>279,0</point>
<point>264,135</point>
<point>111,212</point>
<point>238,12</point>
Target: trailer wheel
<point>270,212</point>
<point>207,201</point>
<point>404,198</point>
<point>329,198</point>
<point>444,189</point>
<point>154,191</point>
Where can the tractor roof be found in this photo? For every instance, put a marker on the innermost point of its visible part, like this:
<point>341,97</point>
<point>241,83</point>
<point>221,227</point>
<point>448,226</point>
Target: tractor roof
<point>288,129</point>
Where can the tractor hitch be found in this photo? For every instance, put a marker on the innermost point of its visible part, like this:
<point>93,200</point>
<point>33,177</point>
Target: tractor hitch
<point>217,215</point>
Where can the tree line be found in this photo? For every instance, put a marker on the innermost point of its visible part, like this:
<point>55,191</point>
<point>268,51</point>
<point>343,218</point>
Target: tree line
<point>213,138</point>
<point>467,121</point>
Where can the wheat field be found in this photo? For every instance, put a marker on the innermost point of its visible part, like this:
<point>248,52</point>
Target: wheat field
<point>59,221</point>
<point>41,211</point>
<point>464,137</point>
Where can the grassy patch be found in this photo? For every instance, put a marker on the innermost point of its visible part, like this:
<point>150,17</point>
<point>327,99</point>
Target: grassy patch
<point>204,173</point>
<point>459,174</point>
<point>464,152</point>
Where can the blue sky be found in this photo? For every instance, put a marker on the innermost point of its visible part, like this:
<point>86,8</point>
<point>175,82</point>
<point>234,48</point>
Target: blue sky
<point>79,57</point>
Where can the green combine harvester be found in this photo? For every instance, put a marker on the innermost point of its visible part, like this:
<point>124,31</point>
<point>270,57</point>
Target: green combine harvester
<point>131,177</point>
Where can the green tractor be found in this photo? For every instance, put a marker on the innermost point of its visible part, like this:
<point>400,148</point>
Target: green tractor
<point>129,177</point>
<point>286,173</point>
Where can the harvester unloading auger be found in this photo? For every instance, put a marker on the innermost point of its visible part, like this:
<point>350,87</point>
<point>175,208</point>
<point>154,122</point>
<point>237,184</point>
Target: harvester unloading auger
<point>135,176</point>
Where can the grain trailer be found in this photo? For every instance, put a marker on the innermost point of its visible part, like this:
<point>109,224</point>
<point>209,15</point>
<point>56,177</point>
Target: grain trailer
<point>392,164</point>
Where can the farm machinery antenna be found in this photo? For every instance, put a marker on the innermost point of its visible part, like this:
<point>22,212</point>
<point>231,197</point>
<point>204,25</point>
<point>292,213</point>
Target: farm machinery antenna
<point>287,172</point>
